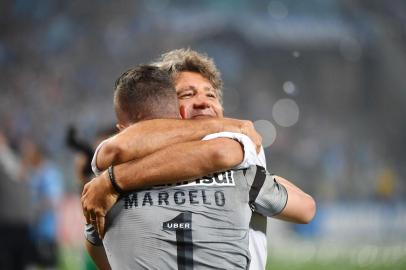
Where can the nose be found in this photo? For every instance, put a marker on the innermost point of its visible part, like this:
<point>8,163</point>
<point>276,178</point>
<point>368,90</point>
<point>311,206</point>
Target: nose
<point>201,102</point>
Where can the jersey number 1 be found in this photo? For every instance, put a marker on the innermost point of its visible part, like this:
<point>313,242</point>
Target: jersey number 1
<point>182,225</point>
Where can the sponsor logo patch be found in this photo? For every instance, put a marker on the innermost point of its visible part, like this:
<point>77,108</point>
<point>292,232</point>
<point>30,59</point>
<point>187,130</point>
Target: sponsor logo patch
<point>217,179</point>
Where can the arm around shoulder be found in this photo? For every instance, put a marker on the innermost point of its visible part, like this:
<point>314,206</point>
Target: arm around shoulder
<point>107,154</point>
<point>225,153</point>
<point>146,137</point>
<point>136,140</point>
<point>179,162</point>
<point>300,207</point>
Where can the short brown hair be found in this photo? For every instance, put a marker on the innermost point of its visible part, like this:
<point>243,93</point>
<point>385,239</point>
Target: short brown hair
<point>180,60</point>
<point>145,92</point>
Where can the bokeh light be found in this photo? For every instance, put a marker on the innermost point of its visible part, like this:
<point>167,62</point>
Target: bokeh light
<point>285,112</point>
<point>267,130</point>
<point>289,88</point>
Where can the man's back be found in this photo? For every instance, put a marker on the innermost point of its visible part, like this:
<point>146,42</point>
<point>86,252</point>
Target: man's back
<point>200,225</point>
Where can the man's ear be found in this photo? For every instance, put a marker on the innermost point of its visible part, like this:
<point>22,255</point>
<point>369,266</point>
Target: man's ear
<point>182,112</point>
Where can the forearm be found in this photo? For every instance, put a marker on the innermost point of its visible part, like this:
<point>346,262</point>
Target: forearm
<point>179,162</point>
<point>146,137</point>
<point>169,165</point>
<point>98,255</point>
<point>300,208</point>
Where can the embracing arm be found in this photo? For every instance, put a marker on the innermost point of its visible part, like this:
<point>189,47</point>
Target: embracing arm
<point>98,255</point>
<point>179,162</point>
<point>274,196</point>
<point>300,208</point>
<point>95,248</point>
<point>146,137</point>
<point>169,165</point>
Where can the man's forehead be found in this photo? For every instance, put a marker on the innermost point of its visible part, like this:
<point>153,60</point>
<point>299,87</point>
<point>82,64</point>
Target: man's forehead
<point>181,88</point>
<point>189,77</point>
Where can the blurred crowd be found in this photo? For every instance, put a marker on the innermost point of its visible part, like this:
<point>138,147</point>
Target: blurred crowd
<point>335,69</point>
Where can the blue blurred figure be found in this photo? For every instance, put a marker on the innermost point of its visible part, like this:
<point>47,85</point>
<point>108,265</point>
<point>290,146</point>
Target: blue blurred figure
<point>46,192</point>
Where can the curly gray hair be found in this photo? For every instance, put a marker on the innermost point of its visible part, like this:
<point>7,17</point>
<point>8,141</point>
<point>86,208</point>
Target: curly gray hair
<point>180,60</point>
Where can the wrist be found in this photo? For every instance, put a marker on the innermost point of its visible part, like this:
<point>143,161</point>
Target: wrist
<point>109,189</point>
<point>113,181</point>
<point>209,125</point>
<point>232,125</point>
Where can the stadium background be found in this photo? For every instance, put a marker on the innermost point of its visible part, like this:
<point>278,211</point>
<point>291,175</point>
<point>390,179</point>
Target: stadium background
<point>324,82</point>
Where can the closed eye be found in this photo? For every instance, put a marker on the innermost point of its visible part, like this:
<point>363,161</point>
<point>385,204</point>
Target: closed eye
<point>185,95</point>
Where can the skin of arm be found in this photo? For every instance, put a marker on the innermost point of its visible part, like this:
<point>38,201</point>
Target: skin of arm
<point>189,160</point>
<point>98,254</point>
<point>300,208</point>
<point>146,137</point>
<point>172,164</point>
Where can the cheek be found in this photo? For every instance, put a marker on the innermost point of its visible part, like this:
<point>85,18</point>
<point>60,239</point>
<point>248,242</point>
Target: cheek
<point>218,109</point>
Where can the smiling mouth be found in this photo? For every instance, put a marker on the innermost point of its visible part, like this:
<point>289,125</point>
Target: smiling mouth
<point>198,116</point>
<point>201,116</point>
